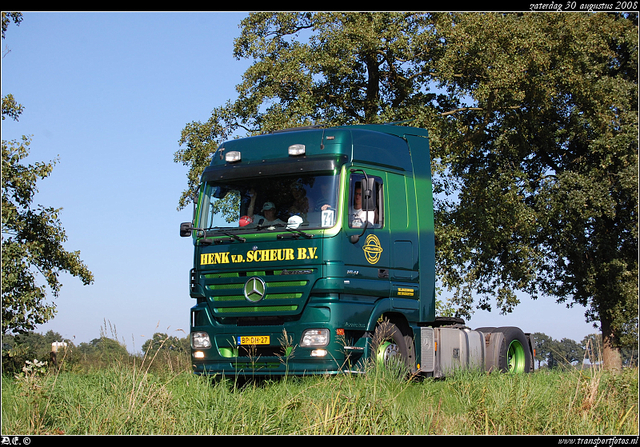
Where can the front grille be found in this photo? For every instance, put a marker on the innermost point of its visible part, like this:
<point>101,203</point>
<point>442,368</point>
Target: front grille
<point>260,321</point>
<point>285,292</point>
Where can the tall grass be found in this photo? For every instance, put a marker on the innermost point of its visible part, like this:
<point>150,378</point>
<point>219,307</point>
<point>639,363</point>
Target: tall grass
<point>150,398</point>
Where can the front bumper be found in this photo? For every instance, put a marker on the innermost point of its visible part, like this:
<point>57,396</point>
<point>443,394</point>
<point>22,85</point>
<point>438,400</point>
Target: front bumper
<point>283,353</point>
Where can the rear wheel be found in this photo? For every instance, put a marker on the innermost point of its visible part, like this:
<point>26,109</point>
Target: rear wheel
<point>515,356</point>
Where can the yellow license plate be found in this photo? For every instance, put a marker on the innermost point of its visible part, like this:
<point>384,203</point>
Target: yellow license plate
<point>254,340</point>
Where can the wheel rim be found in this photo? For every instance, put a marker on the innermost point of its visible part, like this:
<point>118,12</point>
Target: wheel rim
<point>516,357</point>
<point>387,351</point>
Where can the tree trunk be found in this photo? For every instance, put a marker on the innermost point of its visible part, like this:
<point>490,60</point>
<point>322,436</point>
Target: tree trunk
<point>611,356</point>
<point>372,100</point>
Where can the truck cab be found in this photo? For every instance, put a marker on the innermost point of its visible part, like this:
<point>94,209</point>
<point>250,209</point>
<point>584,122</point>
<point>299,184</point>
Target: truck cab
<point>314,253</point>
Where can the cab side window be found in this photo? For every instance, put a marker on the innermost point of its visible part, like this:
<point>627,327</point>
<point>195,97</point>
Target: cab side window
<point>365,202</point>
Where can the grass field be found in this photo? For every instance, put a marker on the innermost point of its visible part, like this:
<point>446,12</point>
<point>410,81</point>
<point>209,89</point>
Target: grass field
<point>129,399</point>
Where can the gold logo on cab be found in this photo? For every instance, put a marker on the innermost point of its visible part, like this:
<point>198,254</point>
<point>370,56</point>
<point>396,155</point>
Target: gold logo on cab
<point>372,249</point>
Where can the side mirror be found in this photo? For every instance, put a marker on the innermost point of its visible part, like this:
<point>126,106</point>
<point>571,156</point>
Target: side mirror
<point>185,229</point>
<point>368,194</point>
<point>369,199</point>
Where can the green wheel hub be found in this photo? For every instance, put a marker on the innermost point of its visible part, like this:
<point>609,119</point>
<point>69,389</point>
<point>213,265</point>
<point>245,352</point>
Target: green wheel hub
<point>516,358</point>
<point>386,352</point>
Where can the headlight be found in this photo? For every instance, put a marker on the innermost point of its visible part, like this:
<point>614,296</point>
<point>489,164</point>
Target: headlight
<point>315,337</point>
<point>200,340</point>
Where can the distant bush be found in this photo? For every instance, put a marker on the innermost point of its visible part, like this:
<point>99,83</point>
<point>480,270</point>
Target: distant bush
<point>162,352</point>
<point>167,352</point>
<point>17,349</point>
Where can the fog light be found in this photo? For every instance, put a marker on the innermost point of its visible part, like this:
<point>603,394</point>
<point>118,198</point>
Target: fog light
<point>315,337</point>
<point>198,355</point>
<point>318,353</point>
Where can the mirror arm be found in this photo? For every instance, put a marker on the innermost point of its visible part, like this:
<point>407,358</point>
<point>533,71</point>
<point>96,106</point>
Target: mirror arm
<point>354,238</point>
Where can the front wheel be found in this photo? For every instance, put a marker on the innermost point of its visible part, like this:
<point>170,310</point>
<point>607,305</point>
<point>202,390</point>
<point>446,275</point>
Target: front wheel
<point>390,347</point>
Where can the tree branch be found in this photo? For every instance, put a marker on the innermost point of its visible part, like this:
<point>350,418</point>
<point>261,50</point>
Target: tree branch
<point>463,109</point>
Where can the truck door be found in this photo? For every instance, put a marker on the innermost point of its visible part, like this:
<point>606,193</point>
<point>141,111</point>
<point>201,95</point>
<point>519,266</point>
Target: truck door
<point>367,255</point>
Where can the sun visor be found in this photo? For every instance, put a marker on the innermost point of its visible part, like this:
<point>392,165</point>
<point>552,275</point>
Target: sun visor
<point>271,168</point>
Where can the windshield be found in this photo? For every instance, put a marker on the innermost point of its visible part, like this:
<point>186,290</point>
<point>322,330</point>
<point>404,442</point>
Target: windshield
<point>271,203</point>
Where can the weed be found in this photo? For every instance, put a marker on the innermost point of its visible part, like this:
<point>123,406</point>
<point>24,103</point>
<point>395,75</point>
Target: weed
<point>138,398</point>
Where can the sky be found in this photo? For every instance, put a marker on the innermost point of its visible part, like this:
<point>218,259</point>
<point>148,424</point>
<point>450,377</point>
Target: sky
<point>107,95</point>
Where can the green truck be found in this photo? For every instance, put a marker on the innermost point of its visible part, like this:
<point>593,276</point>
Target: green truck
<point>315,254</point>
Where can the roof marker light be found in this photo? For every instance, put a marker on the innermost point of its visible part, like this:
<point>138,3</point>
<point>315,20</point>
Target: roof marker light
<point>297,149</point>
<point>232,156</point>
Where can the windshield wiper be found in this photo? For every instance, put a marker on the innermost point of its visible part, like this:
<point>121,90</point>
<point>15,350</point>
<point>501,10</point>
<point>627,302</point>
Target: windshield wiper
<point>231,235</point>
<point>291,230</point>
<point>234,236</point>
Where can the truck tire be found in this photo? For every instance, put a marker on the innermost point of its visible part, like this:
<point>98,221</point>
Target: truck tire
<point>390,347</point>
<point>515,356</point>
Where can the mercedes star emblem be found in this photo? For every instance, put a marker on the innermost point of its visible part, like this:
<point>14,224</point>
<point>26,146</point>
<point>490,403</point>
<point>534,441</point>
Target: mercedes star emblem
<point>254,289</point>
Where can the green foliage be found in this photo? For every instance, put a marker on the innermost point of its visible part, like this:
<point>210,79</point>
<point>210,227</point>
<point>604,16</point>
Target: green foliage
<point>564,353</point>
<point>32,243</point>
<point>162,352</point>
<point>7,18</point>
<point>169,351</point>
<point>533,124</point>
<point>17,349</point>
<point>546,160</point>
<point>164,342</point>
<point>105,349</point>
<point>331,68</point>
<point>10,107</point>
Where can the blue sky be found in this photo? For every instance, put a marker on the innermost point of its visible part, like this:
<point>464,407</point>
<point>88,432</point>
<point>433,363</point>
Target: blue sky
<point>109,94</point>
